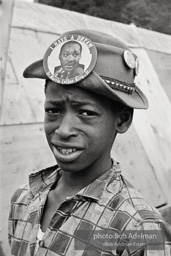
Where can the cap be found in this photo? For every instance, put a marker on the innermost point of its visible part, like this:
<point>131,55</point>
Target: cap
<point>94,61</point>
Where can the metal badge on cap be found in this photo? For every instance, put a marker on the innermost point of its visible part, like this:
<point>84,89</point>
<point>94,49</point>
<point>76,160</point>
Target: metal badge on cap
<point>129,59</point>
<point>70,59</point>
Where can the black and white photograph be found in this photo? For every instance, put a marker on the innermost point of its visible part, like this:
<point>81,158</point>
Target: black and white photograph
<point>85,128</point>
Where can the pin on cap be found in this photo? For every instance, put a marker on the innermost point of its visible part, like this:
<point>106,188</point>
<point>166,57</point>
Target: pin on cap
<point>70,59</point>
<point>129,59</point>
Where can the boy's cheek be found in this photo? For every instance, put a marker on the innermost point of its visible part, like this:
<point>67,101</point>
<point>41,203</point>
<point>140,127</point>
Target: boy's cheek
<point>48,132</point>
<point>50,126</point>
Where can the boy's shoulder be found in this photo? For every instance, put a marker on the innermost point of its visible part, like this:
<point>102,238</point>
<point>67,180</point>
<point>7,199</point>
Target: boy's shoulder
<point>20,191</point>
<point>127,203</point>
<point>36,181</point>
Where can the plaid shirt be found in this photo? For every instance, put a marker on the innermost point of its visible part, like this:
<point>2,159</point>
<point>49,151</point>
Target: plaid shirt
<point>108,204</point>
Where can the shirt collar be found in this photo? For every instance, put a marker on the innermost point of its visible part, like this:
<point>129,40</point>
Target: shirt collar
<point>43,178</point>
<point>97,187</point>
<point>47,177</point>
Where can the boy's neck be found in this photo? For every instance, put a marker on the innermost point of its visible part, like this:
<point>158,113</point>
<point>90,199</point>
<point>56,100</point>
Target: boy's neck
<point>75,181</point>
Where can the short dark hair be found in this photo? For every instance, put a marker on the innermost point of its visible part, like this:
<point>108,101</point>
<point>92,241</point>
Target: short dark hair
<point>120,106</point>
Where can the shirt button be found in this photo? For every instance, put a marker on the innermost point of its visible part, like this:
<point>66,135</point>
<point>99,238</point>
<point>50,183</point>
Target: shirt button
<point>41,243</point>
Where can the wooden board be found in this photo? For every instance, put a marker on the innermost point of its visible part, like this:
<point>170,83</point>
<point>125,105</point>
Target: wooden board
<point>136,166</point>
<point>23,150</point>
<point>6,11</point>
<point>23,99</point>
<point>162,65</point>
<point>153,126</point>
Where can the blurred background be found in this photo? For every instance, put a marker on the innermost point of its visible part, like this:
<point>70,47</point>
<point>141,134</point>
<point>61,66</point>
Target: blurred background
<point>27,29</point>
<point>150,14</point>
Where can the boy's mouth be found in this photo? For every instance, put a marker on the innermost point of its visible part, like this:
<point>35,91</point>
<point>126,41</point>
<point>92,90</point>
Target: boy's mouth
<point>67,151</point>
<point>66,154</point>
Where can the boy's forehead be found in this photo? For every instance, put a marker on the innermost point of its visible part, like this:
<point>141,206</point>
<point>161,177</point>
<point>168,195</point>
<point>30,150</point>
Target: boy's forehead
<point>72,93</point>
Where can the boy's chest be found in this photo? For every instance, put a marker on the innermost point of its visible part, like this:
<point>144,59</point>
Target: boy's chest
<point>52,204</point>
<point>63,217</point>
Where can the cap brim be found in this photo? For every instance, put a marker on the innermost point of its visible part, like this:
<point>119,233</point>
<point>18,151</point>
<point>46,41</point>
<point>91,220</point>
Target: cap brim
<point>136,99</point>
<point>96,84</point>
<point>35,70</point>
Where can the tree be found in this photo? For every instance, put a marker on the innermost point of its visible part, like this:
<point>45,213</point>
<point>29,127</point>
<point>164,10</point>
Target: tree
<point>149,14</point>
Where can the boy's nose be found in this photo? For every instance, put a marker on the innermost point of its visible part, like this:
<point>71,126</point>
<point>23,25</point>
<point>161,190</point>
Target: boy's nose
<point>66,127</point>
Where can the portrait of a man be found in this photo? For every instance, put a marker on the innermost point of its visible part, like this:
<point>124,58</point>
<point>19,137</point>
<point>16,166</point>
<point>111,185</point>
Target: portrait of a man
<point>69,56</point>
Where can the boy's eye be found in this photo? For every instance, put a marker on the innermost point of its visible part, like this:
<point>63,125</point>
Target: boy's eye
<point>87,113</point>
<point>53,111</point>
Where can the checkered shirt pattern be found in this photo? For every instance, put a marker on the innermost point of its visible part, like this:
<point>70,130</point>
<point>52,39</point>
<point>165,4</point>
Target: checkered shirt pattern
<point>110,203</point>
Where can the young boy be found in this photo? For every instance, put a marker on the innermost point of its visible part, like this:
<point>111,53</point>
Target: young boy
<point>83,205</point>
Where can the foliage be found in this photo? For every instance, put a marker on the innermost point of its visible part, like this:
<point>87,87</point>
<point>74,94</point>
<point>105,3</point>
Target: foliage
<point>149,14</point>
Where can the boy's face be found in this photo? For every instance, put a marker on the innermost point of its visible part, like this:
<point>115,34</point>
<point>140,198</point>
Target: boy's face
<point>80,127</point>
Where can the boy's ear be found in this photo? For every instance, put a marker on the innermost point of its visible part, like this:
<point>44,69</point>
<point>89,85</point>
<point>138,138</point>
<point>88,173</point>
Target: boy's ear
<point>124,119</point>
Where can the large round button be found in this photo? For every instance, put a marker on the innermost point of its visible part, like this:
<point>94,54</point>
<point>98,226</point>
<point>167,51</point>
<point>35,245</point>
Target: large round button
<point>129,59</point>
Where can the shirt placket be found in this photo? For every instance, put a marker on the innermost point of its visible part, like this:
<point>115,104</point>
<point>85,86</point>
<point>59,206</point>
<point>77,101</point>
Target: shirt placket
<point>36,218</point>
<point>59,218</point>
